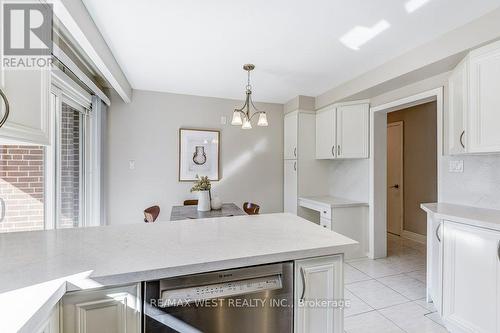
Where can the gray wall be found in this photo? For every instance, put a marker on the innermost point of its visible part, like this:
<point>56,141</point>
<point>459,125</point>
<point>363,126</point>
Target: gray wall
<point>146,131</point>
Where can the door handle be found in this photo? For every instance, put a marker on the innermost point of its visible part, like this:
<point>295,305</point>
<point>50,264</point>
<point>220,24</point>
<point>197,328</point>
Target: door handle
<point>303,275</point>
<point>295,151</point>
<point>333,150</point>
<point>437,231</point>
<point>462,139</point>
<point>6,114</point>
<point>2,204</point>
<point>394,186</point>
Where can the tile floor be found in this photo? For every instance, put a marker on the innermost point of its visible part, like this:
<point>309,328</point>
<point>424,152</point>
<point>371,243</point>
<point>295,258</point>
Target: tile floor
<point>388,295</point>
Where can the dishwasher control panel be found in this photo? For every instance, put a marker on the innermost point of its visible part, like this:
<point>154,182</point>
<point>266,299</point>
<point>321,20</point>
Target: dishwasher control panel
<point>219,290</point>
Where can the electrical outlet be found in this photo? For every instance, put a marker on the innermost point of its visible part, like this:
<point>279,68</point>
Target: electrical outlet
<point>456,166</point>
<point>131,164</point>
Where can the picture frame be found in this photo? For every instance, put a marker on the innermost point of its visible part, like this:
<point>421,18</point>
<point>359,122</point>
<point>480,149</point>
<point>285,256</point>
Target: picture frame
<point>199,154</point>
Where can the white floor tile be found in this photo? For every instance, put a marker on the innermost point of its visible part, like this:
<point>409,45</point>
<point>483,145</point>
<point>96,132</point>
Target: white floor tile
<point>375,294</point>
<point>405,285</point>
<point>352,275</point>
<point>411,318</point>
<point>357,306</point>
<point>370,322</point>
<point>435,318</point>
<point>428,306</point>
<point>420,275</point>
<point>376,268</point>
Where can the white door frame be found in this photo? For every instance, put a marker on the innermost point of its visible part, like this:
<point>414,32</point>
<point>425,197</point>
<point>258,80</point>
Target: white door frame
<point>378,163</point>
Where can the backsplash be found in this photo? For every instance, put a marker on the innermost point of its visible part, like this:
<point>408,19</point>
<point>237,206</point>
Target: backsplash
<point>478,185</point>
<point>349,179</point>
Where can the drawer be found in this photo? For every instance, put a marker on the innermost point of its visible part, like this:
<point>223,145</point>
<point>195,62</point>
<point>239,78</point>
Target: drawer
<point>326,223</point>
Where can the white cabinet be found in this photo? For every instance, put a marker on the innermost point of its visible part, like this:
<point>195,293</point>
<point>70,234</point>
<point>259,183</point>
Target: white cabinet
<point>290,186</point>
<point>28,93</point>
<point>352,131</point>
<point>105,310</point>
<point>342,131</point>
<point>484,102</point>
<point>472,117</point>
<point>471,278</point>
<point>325,133</point>
<point>291,135</point>
<point>457,107</point>
<point>435,262</point>
<point>318,279</point>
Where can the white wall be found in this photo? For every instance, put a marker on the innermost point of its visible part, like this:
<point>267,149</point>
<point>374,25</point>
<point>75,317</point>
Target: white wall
<point>146,131</point>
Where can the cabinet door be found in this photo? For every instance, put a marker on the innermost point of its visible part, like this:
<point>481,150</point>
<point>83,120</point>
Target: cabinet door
<point>28,93</point>
<point>484,115</point>
<point>325,133</point>
<point>435,262</point>
<point>290,187</point>
<point>457,108</point>
<point>290,129</point>
<point>318,279</point>
<point>352,131</point>
<point>114,310</point>
<point>471,278</point>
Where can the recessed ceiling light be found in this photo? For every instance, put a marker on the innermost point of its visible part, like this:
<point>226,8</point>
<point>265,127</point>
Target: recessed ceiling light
<point>359,35</point>
<point>413,5</point>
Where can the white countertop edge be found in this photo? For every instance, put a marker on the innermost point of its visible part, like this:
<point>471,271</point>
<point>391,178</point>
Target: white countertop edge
<point>333,202</point>
<point>480,217</point>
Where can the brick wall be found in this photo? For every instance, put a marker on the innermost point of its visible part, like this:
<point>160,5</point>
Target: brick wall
<point>70,167</point>
<point>22,187</point>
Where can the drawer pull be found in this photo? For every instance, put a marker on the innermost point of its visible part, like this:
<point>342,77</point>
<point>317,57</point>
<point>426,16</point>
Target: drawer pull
<point>462,139</point>
<point>437,232</point>
<point>303,275</point>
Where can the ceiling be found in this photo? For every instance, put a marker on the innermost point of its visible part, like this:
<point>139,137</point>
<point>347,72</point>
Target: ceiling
<point>299,47</point>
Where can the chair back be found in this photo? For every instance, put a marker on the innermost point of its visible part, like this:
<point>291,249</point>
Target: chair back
<point>251,208</point>
<point>193,202</point>
<point>151,214</point>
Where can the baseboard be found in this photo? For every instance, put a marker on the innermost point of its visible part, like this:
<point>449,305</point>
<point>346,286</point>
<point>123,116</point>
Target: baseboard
<point>414,237</point>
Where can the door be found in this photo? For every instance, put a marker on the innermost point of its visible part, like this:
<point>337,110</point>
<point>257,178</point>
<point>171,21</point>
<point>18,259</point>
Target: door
<point>395,177</point>
<point>114,310</point>
<point>457,97</point>
<point>290,132</point>
<point>352,131</point>
<point>325,133</point>
<point>484,116</point>
<point>318,279</point>
<point>471,278</point>
<point>290,187</point>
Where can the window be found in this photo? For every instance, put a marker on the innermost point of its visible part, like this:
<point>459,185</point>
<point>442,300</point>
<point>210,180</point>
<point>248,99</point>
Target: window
<point>22,187</point>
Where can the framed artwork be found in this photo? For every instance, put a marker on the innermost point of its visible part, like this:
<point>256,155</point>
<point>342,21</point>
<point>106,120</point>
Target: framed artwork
<point>198,154</point>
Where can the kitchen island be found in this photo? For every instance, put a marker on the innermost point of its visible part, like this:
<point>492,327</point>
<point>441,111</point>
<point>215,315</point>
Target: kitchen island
<point>38,268</point>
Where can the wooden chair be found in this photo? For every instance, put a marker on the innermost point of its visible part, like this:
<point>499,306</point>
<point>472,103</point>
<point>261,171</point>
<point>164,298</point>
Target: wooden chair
<point>151,214</point>
<point>251,208</point>
<point>193,202</point>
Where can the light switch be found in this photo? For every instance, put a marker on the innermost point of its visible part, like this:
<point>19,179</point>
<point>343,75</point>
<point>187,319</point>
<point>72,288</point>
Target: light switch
<point>456,166</point>
<point>223,120</point>
<point>131,164</point>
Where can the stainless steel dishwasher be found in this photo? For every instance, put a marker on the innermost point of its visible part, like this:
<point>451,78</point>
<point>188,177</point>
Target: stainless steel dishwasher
<point>244,300</point>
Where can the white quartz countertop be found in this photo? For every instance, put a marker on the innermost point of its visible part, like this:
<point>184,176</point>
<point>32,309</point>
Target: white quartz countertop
<point>112,255</point>
<point>333,202</point>
<point>481,217</point>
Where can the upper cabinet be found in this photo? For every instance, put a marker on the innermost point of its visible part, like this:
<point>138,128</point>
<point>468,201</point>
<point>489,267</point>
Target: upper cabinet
<point>473,101</point>
<point>28,95</point>
<point>342,131</point>
<point>290,141</point>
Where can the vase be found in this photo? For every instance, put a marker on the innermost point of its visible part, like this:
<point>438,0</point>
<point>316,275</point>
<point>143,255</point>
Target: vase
<point>203,201</point>
<point>216,203</point>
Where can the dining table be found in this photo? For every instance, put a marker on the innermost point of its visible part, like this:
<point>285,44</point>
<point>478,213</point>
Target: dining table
<point>191,212</point>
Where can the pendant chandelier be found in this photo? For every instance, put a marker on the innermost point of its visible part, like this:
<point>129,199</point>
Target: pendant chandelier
<point>243,117</point>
